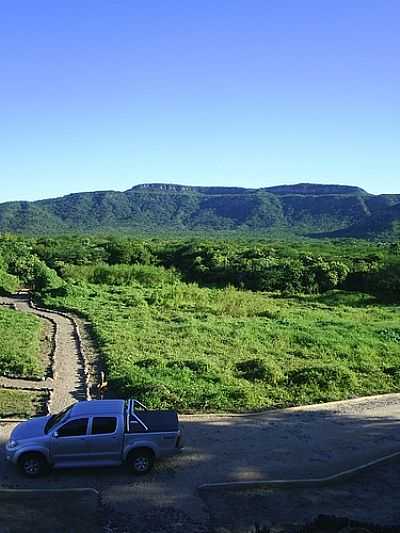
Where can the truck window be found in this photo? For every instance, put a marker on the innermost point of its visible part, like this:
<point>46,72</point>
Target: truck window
<point>104,424</point>
<point>55,419</point>
<point>74,428</point>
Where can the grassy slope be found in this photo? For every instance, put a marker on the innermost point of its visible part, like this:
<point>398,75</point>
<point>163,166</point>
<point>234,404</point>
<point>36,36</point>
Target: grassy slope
<point>19,344</point>
<point>196,349</point>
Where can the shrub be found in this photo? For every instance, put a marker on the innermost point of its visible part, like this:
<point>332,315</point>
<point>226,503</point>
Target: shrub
<point>8,283</point>
<point>194,365</point>
<point>120,274</point>
<point>44,277</point>
<point>392,334</point>
<point>260,369</point>
<point>323,377</point>
<point>149,362</point>
<point>385,282</point>
<point>393,372</point>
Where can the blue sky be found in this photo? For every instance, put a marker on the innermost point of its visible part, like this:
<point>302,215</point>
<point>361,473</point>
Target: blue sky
<point>105,94</point>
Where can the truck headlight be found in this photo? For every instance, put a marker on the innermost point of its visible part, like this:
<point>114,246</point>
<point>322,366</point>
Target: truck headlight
<point>12,444</point>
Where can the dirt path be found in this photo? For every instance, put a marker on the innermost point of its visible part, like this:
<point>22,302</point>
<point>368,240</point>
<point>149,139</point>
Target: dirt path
<point>68,382</point>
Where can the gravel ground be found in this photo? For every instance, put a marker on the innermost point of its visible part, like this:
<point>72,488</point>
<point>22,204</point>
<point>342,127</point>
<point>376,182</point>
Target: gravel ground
<point>291,443</point>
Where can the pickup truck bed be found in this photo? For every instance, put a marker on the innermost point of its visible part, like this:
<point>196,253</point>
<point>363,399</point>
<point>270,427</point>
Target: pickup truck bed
<point>155,421</point>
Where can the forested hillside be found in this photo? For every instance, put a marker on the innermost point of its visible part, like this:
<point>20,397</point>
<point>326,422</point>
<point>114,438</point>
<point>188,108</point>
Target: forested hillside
<point>155,208</point>
<point>384,223</point>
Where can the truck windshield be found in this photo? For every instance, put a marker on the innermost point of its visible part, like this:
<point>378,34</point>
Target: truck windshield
<point>54,419</point>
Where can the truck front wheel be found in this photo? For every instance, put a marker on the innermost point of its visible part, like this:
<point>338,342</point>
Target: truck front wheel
<point>140,461</point>
<point>33,464</point>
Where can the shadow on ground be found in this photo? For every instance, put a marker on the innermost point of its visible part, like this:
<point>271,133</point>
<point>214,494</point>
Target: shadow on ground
<point>49,512</point>
<point>370,497</point>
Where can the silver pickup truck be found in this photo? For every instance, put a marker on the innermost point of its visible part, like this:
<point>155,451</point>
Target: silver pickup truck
<point>95,433</point>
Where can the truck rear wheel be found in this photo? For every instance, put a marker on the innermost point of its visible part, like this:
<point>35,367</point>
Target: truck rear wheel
<point>140,461</point>
<point>33,465</point>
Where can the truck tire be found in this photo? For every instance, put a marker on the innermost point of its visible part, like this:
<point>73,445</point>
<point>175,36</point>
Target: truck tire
<point>140,461</point>
<point>33,464</point>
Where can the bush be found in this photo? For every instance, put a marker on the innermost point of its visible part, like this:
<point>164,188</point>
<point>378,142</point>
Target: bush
<point>392,334</point>
<point>386,282</point>
<point>196,366</point>
<point>323,377</point>
<point>44,277</point>
<point>150,362</point>
<point>259,369</point>
<point>120,275</point>
<point>8,283</point>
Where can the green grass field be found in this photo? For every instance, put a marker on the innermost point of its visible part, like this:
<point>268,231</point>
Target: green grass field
<point>20,344</point>
<point>197,349</point>
<point>21,404</point>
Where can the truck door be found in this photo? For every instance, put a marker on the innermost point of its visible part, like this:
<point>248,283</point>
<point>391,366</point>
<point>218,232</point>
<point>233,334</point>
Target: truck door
<point>69,446</point>
<point>105,440</point>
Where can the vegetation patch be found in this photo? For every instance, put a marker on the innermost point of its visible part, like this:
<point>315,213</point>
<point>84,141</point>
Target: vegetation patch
<point>192,348</point>
<point>8,283</point>
<point>224,324</point>
<point>321,376</point>
<point>260,369</point>
<point>20,344</point>
<point>21,403</point>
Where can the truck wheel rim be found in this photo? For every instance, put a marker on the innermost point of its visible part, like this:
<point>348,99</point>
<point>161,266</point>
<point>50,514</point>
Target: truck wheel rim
<point>32,466</point>
<point>141,464</point>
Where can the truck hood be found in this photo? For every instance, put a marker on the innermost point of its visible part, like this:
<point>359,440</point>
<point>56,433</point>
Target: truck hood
<point>30,428</point>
